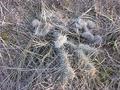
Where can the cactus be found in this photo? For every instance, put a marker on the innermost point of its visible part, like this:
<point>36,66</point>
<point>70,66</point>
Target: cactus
<point>51,58</point>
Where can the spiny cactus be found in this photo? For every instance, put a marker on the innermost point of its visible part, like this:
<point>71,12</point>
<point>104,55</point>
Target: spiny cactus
<point>55,44</point>
<point>87,49</point>
<point>98,40</point>
<point>86,65</point>
<point>40,28</point>
<point>88,36</point>
<point>66,71</point>
<point>90,24</point>
<point>62,47</point>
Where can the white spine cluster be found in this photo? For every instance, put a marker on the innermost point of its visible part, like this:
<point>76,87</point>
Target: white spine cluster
<point>40,30</point>
<point>60,41</point>
<point>81,23</point>
<point>91,24</point>
<point>36,24</point>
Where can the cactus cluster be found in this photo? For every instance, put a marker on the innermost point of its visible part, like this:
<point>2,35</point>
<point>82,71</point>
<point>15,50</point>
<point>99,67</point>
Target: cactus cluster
<point>59,45</point>
<point>84,27</point>
<point>65,49</point>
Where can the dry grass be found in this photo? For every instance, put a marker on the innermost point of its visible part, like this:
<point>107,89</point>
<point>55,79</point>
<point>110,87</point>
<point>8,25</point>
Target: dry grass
<point>42,46</point>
